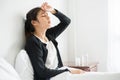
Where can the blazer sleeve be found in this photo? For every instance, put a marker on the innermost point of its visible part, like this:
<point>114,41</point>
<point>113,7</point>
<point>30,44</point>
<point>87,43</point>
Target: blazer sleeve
<point>36,56</point>
<point>58,29</point>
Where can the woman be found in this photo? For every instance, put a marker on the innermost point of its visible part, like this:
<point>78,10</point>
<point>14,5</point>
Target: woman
<point>41,45</point>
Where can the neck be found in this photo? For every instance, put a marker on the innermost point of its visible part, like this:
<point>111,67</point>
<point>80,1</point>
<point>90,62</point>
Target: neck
<point>41,35</point>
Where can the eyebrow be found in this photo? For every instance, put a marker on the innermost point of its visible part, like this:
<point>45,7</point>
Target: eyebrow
<point>42,11</point>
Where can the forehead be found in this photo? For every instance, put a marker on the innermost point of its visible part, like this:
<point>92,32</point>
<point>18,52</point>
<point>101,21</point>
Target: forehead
<point>42,12</point>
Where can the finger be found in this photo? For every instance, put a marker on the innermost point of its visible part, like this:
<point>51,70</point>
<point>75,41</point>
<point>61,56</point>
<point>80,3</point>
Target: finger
<point>82,72</point>
<point>43,6</point>
<point>46,3</point>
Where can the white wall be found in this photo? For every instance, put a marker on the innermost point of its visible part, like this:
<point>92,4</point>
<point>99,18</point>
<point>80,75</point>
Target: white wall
<point>12,14</point>
<point>88,32</point>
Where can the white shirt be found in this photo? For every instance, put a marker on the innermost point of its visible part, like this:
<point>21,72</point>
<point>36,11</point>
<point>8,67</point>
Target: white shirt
<point>52,60</point>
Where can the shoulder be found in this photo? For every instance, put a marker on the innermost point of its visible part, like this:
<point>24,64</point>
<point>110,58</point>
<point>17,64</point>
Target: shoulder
<point>49,36</point>
<point>32,40</point>
<point>33,45</point>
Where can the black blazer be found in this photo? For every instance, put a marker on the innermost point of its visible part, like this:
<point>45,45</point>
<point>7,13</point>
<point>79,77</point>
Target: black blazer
<point>38,53</point>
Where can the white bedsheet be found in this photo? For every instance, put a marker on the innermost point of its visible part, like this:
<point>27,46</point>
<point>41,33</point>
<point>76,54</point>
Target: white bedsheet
<point>95,76</point>
<point>88,76</point>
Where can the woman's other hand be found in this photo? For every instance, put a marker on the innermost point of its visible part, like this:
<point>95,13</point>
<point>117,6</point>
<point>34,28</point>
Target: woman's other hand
<point>76,71</point>
<point>46,7</point>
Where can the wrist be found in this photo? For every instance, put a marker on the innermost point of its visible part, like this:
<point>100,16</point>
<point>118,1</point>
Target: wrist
<point>53,11</point>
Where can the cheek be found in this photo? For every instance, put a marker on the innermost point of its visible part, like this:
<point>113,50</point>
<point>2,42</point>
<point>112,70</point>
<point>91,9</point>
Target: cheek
<point>42,20</point>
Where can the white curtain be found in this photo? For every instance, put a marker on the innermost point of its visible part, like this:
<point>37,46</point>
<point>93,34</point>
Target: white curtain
<point>114,35</point>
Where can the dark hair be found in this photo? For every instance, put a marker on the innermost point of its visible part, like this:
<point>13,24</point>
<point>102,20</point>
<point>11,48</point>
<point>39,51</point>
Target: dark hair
<point>31,15</point>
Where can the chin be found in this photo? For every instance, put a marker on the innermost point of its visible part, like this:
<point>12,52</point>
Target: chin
<point>49,26</point>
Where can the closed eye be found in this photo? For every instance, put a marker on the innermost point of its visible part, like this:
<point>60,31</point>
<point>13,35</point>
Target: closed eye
<point>43,15</point>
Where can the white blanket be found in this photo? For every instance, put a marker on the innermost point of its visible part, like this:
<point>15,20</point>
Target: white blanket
<point>95,76</point>
<point>7,72</point>
<point>88,76</point>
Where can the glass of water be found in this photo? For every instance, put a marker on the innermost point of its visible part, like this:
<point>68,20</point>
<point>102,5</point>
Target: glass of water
<point>84,60</point>
<point>77,61</point>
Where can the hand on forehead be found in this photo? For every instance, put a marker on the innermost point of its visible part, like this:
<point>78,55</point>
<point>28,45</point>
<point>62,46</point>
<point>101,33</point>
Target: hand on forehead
<point>46,7</point>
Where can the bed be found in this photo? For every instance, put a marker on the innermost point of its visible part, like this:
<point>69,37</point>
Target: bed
<point>23,71</point>
<point>88,76</point>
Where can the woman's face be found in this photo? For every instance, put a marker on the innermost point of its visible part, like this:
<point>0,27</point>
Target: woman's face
<point>43,19</point>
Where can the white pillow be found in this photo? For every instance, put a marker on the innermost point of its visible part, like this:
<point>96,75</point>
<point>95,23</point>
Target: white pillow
<point>7,72</point>
<point>23,66</point>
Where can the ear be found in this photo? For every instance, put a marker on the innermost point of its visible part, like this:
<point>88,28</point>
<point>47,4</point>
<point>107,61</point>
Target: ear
<point>34,22</point>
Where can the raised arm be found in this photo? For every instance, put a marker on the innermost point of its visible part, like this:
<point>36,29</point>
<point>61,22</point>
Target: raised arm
<point>64,21</point>
<point>58,29</point>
